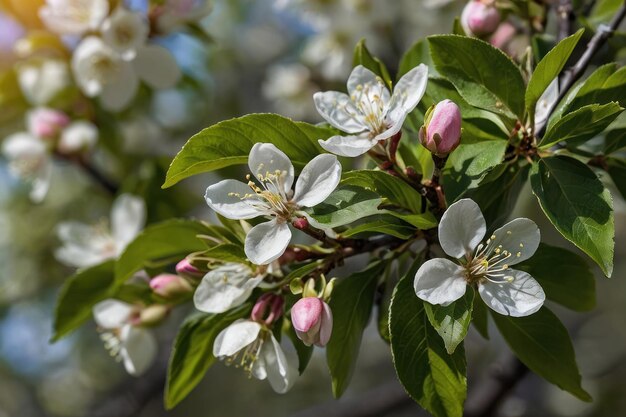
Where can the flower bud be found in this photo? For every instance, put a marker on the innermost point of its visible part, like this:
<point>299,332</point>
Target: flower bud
<point>79,136</point>
<point>312,320</point>
<point>480,18</point>
<point>186,269</point>
<point>46,123</point>
<point>503,35</point>
<point>268,308</point>
<point>152,315</point>
<point>170,286</point>
<point>441,133</point>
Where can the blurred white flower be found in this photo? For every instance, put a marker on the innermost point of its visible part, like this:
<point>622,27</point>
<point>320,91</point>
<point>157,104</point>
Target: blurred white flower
<point>29,160</point>
<point>174,13</point>
<point>78,136</point>
<point>251,346</point>
<point>42,81</point>
<point>125,32</point>
<point>225,287</point>
<point>100,71</point>
<point>86,245</point>
<point>46,123</point>
<point>289,87</point>
<point>135,346</point>
<point>73,17</point>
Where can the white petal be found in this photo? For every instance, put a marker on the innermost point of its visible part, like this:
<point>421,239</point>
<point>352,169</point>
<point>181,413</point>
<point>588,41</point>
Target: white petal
<point>120,91</point>
<point>227,198</point>
<point>338,110</point>
<point>139,349</point>
<point>265,242</point>
<point>394,127</point>
<point>317,180</point>
<point>281,372</point>
<point>23,145</point>
<point>461,228</point>
<point>128,216</point>
<point>350,146</point>
<point>41,182</point>
<point>157,67</point>
<point>82,245</point>
<point>78,136</point>
<point>359,77</point>
<point>440,281</point>
<point>222,289</point>
<point>409,90</point>
<point>112,314</point>
<point>235,337</point>
<point>519,237</point>
<point>125,32</point>
<point>522,297</point>
<point>267,158</point>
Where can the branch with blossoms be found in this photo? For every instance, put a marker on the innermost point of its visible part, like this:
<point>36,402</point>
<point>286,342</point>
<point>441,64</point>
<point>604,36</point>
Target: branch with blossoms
<point>418,174</point>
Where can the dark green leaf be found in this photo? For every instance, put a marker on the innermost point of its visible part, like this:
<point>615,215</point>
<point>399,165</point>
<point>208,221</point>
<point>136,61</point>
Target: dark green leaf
<point>617,171</point>
<point>432,377</point>
<point>452,321</point>
<point>614,141</point>
<point>229,142</point>
<point>345,205</point>
<point>578,205</point>
<point>385,224</point>
<point>564,276</point>
<point>542,343</point>
<point>362,56</point>
<point>415,55</point>
<point>351,303</point>
<point>483,75</point>
<point>166,242</point>
<point>480,317</point>
<point>192,352</point>
<point>387,186</point>
<point>78,296</point>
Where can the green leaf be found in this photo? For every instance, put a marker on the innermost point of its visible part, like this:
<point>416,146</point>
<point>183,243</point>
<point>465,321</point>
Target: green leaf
<point>227,252</point>
<point>582,124</point>
<point>480,318</point>
<point>362,56</point>
<point>605,85</point>
<point>614,141</point>
<point>229,142</point>
<point>385,224</point>
<point>549,68</point>
<point>616,169</point>
<point>165,242</point>
<point>303,351</point>
<point>578,205</point>
<point>387,186</point>
<point>452,321</point>
<point>345,205</point>
<point>351,303</point>
<point>417,54</point>
<point>192,352</point>
<point>78,296</point>
<point>564,276</point>
<point>422,221</point>
<point>483,75</point>
<point>457,27</point>
<point>432,377</point>
<point>542,343</point>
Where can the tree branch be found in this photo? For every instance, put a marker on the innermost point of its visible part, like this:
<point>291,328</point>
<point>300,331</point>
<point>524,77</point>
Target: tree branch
<point>573,74</point>
<point>565,17</point>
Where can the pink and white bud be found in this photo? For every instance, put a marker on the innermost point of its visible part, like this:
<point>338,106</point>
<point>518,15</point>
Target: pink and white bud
<point>480,18</point>
<point>170,286</point>
<point>312,320</point>
<point>503,35</point>
<point>186,269</point>
<point>46,123</point>
<point>268,308</point>
<point>441,133</point>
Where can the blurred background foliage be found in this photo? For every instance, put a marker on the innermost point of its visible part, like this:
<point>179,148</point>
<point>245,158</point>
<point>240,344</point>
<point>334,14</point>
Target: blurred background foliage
<point>246,56</point>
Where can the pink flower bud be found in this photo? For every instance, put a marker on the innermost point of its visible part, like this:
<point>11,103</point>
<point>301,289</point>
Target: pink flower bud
<point>46,123</point>
<point>503,35</point>
<point>312,320</point>
<point>186,269</point>
<point>441,133</point>
<point>170,286</point>
<point>268,308</point>
<point>480,18</point>
<point>300,223</point>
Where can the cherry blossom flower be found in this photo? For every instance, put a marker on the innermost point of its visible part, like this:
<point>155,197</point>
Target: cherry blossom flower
<point>29,160</point>
<point>486,265</point>
<point>73,17</point>
<point>274,197</point>
<point>225,287</point>
<point>369,113</point>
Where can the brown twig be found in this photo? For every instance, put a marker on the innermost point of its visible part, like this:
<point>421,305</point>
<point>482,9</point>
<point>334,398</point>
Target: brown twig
<point>565,17</point>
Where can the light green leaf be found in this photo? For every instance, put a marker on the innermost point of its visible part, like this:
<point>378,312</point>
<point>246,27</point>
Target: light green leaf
<point>351,303</point>
<point>227,252</point>
<point>432,377</point>
<point>582,124</point>
<point>452,321</point>
<point>549,68</point>
<point>387,186</point>
<point>78,296</point>
<point>362,56</point>
<point>384,224</point>
<point>192,352</point>
<point>542,343</point>
<point>165,242</point>
<point>483,75</point>
<point>578,205</point>
<point>345,205</point>
<point>229,142</point>
<point>564,276</point>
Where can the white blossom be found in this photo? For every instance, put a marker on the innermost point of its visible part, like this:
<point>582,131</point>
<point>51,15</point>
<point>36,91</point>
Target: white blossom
<point>274,197</point>
<point>78,136</point>
<point>73,17</point>
<point>86,245</point>
<point>369,113</point>
<point>225,287</point>
<point>251,346</point>
<point>42,81</point>
<point>29,159</point>
<point>135,346</point>
<point>486,265</point>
